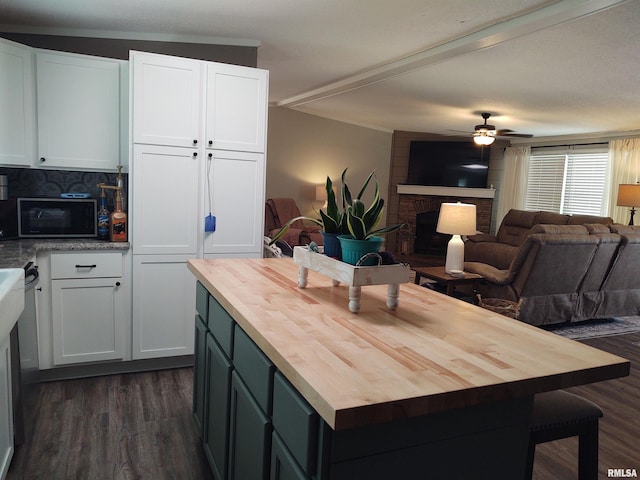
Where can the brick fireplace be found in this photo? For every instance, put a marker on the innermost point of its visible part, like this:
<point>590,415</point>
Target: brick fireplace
<point>419,208</point>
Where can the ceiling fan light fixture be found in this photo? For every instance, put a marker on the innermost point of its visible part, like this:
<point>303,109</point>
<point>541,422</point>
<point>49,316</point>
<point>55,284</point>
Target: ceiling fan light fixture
<point>483,138</point>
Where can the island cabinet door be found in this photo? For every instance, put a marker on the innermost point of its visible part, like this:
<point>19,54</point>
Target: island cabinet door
<point>249,434</point>
<point>283,465</point>
<point>216,430</point>
<point>199,374</point>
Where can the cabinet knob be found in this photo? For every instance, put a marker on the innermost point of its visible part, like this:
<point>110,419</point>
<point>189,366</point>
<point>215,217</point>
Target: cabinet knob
<point>117,284</point>
<point>195,142</point>
<point>210,156</point>
<point>39,289</point>
<point>195,154</point>
<point>210,142</point>
<point>42,159</point>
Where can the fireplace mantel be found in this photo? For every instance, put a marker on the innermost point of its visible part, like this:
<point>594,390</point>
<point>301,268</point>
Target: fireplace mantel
<point>446,191</point>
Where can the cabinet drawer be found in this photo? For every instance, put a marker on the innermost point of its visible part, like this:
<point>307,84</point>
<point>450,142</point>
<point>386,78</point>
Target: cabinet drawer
<point>86,265</point>
<point>296,423</point>
<point>254,367</point>
<point>221,324</point>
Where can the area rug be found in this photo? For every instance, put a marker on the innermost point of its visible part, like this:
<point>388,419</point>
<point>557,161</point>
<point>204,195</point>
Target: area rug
<point>598,328</point>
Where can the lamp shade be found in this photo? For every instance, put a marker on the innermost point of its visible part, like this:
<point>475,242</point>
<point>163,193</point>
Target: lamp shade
<point>628,195</point>
<point>457,219</point>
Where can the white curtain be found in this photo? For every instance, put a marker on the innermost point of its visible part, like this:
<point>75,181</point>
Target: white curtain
<point>514,180</point>
<point>624,162</point>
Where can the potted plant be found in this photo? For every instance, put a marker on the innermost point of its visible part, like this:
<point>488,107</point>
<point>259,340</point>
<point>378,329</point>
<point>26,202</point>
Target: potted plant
<point>362,222</point>
<point>332,222</point>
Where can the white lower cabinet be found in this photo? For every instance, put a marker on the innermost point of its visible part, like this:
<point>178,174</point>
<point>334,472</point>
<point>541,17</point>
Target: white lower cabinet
<point>82,308</point>
<point>164,295</point>
<point>87,320</point>
<point>6,410</point>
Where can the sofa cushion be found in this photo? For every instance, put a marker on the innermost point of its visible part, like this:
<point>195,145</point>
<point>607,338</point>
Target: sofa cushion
<point>552,218</point>
<point>582,219</point>
<point>561,229</point>
<point>515,227</point>
<point>625,229</point>
<point>597,228</point>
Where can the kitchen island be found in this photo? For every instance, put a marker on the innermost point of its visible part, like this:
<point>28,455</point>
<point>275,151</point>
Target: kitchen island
<point>437,388</point>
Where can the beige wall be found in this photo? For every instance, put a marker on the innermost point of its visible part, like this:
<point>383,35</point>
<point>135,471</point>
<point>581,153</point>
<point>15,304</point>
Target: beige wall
<point>303,149</point>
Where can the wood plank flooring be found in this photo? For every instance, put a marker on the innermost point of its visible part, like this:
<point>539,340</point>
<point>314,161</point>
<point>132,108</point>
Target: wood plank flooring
<point>121,427</point>
<point>138,426</point>
<point>619,428</point>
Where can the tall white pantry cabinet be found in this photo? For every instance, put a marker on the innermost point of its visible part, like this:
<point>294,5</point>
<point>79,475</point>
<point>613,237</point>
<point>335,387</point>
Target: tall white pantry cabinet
<point>198,133</point>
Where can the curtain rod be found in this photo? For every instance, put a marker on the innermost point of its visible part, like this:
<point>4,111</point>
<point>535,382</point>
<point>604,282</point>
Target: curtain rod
<point>572,145</point>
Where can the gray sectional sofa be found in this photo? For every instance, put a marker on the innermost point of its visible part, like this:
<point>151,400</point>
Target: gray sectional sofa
<point>568,273</point>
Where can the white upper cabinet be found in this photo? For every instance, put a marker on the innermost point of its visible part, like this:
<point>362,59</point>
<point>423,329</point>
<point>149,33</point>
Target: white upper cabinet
<point>17,105</point>
<point>236,116</point>
<point>166,104</point>
<point>78,111</point>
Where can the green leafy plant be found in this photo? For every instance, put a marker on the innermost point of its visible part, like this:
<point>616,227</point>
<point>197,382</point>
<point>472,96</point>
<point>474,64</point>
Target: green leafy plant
<point>332,220</point>
<point>362,221</point>
<point>353,219</point>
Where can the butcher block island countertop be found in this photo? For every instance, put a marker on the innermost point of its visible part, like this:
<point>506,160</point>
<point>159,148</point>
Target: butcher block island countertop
<point>432,354</point>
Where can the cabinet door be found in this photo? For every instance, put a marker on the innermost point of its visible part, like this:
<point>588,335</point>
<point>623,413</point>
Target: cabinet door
<point>216,432</point>
<point>249,436</point>
<point>164,211</point>
<point>78,111</point>
<point>283,465</point>
<point>236,107</point>
<point>234,193</point>
<point>88,320</point>
<point>199,373</point>
<point>17,105</point>
<point>167,93</point>
<point>6,408</point>
<point>164,293</point>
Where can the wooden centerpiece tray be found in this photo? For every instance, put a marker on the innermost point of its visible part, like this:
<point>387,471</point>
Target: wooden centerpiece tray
<point>353,276</point>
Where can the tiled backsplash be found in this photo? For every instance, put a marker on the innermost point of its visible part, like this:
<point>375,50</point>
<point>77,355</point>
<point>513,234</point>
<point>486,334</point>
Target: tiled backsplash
<point>31,182</point>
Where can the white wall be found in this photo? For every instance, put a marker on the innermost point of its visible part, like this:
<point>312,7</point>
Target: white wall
<point>303,149</point>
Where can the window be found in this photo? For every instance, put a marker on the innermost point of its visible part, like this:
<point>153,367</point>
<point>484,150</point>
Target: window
<point>569,181</point>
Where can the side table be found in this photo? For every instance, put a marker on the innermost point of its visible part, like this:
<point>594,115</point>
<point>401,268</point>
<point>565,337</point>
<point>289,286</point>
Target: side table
<point>438,275</point>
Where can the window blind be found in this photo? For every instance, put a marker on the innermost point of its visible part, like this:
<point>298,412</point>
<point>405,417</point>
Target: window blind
<point>568,182</point>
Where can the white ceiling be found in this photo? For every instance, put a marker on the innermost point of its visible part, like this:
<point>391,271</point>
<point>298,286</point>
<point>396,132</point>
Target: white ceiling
<point>569,67</point>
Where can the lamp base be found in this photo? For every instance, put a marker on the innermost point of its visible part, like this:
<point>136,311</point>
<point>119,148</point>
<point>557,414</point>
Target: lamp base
<point>455,254</point>
<point>633,212</point>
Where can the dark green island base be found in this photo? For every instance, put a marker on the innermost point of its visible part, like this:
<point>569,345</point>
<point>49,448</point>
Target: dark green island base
<point>289,384</point>
<point>255,425</point>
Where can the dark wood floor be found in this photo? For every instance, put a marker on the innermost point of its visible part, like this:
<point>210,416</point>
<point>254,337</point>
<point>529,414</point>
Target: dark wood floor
<point>619,428</point>
<point>138,426</point>
<point>124,427</point>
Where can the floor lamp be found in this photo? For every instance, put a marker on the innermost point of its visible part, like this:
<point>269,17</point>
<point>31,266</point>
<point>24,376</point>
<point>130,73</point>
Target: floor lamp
<point>629,196</point>
<point>456,219</point>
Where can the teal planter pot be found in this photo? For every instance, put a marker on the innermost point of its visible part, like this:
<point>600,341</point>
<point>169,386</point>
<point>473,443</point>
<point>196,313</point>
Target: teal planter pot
<point>353,250</point>
<point>331,245</point>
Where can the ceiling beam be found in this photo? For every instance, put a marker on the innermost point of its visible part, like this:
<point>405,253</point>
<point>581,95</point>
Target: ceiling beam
<point>550,16</point>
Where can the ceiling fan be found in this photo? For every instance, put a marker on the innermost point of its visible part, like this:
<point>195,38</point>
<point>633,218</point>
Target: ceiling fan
<point>485,134</point>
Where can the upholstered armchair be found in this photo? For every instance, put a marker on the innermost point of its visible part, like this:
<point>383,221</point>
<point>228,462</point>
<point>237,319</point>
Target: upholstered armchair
<point>279,211</point>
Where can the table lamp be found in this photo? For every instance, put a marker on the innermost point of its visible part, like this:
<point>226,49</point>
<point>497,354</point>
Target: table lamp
<point>629,196</point>
<point>456,219</point>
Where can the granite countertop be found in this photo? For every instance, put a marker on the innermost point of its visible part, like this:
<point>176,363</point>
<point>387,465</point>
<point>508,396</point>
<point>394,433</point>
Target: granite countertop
<point>16,253</point>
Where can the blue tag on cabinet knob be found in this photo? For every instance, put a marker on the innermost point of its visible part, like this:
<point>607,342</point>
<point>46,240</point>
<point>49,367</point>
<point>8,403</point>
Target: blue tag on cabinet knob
<point>209,223</point>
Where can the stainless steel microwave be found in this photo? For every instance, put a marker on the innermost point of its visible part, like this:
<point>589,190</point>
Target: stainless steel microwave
<point>57,217</point>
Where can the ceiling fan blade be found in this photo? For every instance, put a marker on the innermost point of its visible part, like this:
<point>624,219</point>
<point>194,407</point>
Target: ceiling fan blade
<point>519,135</point>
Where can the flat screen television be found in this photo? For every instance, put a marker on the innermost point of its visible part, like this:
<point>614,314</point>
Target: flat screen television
<point>448,164</point>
